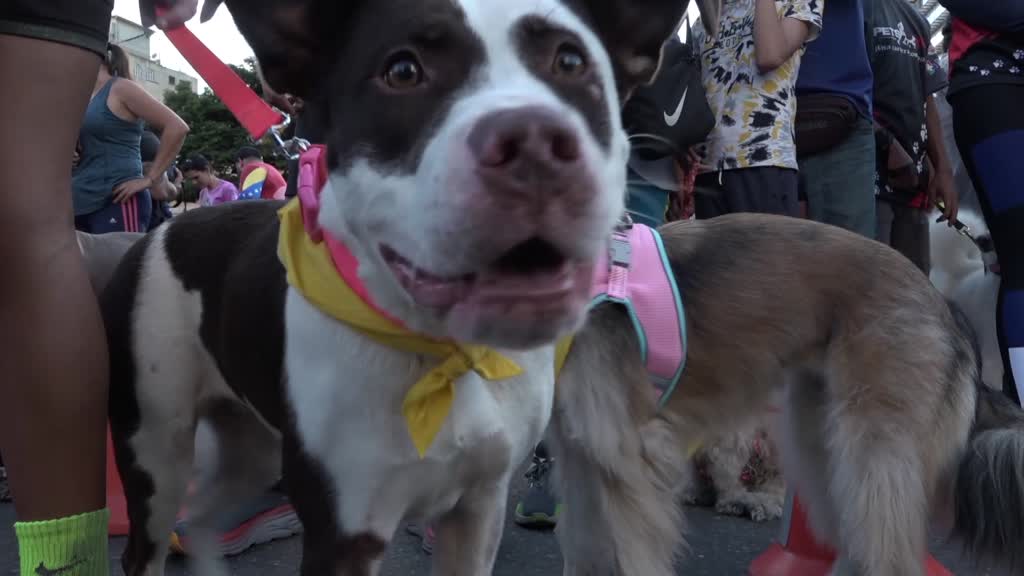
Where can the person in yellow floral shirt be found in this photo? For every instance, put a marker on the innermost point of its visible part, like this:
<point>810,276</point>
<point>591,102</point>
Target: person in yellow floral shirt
<point>750,70</point>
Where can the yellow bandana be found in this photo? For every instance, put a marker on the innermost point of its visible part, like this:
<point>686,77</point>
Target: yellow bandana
<point>311,271</point>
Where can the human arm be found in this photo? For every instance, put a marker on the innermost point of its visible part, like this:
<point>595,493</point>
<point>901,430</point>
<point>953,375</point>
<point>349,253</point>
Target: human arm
<point>777,38</point>
<point>163,189</point>
<point>999,15</point>
<point>285,102</point>
<point>177,12</point>
<point>899,165</point>
<point>942,185</point>
<point>173,130</point>
<point>278,184</point>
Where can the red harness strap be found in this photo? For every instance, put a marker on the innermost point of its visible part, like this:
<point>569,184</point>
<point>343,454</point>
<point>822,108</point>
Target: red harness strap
<point>255,115</point>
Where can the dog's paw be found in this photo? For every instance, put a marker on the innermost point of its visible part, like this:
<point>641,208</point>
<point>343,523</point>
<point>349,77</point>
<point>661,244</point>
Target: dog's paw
<point>757,507</point>
<point>764,506</point>
<point>765,512</point>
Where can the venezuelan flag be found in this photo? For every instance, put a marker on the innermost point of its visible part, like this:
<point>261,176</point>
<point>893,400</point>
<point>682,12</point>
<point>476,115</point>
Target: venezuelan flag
<point>252,187</point>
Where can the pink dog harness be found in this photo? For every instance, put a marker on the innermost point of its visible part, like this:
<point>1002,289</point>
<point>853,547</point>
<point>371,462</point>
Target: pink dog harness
<point>634,273</point>
<point>637,275</point>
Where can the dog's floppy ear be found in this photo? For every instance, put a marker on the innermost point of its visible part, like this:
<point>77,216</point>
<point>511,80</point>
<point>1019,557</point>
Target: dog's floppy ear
<point>633,31</point>
<point>290,38</point>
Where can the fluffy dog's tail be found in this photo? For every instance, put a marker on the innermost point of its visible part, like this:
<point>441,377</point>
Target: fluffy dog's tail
<point>989,497</point>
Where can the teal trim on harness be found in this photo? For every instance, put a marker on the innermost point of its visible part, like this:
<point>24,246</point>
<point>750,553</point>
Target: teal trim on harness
<point>637,326</point>
<point>681,311</point>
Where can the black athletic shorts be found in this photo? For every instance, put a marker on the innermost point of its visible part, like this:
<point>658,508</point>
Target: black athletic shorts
<point>81,23</point>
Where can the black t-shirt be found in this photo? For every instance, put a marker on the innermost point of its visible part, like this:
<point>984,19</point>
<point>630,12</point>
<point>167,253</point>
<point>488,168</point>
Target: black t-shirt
<point>906,72</point>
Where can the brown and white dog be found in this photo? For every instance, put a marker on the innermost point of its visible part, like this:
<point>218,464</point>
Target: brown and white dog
<point>477,168</point>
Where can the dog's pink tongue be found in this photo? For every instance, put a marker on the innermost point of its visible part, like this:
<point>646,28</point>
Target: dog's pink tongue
<point>498,285</point>
<point>433,291</point>
<point>437,293</point>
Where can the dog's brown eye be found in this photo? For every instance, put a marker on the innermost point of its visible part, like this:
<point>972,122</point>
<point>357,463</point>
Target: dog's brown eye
<point>569,61</point>
<point>404,72</point>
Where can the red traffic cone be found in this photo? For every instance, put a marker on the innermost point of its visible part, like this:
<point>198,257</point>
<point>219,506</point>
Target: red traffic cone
<point>798,553</point>
<point>115,495</point>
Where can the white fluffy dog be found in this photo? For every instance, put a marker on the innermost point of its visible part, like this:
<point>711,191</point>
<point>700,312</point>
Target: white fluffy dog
<point>968,276</point>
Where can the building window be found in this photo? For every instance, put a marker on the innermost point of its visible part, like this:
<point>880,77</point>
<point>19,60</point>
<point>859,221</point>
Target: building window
<point>171,80</point>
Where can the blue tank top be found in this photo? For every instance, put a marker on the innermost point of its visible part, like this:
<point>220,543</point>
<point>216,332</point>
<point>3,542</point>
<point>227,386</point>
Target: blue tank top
<point>110,154</point>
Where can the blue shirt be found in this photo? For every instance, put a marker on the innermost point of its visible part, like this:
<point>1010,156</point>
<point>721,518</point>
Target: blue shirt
<point>837,62</point>
<point>111,154</point>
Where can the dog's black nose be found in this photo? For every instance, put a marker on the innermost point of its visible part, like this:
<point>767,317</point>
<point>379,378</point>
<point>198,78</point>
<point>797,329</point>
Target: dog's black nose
<point>525,142</point>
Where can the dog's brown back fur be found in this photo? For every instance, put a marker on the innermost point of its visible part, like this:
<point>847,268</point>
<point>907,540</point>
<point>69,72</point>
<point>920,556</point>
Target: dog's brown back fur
<point>879,395</point>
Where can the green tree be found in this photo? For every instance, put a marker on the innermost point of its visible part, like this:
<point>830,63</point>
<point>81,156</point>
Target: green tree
<point>214,131</point>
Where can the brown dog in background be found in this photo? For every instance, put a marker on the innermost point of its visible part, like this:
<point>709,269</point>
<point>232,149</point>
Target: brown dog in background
<point>884,415</point>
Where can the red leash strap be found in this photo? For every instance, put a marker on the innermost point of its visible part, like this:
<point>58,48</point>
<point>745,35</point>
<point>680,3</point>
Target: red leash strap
<point>251,111</point>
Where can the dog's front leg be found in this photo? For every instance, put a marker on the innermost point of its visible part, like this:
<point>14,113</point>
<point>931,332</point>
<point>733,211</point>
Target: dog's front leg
<point>469,535</point>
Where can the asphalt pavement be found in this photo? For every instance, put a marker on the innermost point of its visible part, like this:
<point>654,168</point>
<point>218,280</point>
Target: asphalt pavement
<point>719,546</point>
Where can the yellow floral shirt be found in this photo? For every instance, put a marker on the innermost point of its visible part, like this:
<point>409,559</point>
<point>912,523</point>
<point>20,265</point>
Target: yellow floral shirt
<point>755,112</point>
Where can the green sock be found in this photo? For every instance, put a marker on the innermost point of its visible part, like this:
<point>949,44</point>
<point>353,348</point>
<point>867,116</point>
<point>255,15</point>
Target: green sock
<point>72,546</point>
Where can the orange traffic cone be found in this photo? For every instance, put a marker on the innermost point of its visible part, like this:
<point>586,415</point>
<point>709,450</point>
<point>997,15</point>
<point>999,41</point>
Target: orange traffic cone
<point>798,553</point>
<point>115,494</point>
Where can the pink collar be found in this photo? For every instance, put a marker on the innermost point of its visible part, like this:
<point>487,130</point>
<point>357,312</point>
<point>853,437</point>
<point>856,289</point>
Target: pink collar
<point>635,273</point>
<point>312,179</point>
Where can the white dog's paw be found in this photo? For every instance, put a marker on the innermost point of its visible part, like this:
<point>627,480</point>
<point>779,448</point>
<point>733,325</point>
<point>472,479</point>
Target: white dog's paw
<point>765,512</point>
<point>764,506</point>
<point>757,506</point>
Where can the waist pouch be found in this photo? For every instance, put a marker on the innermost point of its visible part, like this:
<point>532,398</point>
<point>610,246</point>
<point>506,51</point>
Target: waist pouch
<point>823,121</point>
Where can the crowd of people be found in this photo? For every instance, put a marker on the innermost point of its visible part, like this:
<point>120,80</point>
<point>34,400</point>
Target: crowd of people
<point>824,113</point>
<point>125,176</point>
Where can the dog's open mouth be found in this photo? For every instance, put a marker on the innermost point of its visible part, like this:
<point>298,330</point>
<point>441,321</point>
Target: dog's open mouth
<point>534,271</point>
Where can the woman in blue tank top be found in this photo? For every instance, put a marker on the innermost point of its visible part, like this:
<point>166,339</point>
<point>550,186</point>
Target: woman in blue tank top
<point>109,189</point>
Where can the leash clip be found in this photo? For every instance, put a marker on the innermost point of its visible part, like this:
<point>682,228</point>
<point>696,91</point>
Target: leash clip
<point>621,252</point>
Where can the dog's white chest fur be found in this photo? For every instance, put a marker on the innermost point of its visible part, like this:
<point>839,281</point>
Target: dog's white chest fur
<point>347,394</point>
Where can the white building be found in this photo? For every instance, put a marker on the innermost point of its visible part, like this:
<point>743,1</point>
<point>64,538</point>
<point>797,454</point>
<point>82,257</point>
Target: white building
<point>146,68</point>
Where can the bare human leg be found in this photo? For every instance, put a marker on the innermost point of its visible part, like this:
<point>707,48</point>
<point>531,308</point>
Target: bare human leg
<point>52,345</point>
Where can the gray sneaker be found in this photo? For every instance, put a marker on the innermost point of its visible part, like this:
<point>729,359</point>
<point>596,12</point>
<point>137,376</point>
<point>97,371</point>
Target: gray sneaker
<point>538,509</point>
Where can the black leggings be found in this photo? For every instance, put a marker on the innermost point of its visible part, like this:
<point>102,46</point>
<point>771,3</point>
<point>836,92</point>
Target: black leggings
<point>989,125</point>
